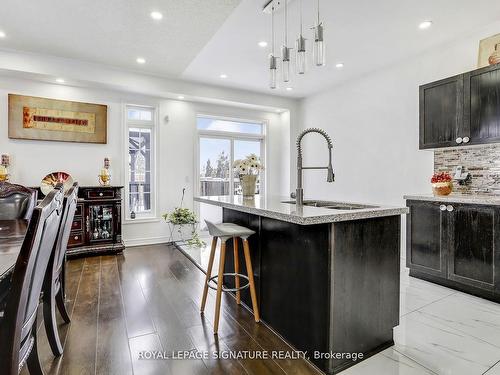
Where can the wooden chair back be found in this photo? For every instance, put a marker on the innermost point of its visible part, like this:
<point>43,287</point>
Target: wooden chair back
<point>69,208</point>
<point>18,323</point>
<point>16,201</point>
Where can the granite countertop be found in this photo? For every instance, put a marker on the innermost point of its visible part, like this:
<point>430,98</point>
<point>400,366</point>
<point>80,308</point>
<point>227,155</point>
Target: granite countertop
<point>492,200</point>
<point>275,208</point>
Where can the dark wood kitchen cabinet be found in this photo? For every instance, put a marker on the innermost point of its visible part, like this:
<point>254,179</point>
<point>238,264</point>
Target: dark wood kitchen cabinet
<point>482,104</point>
<point>474,252</point>
<point>441,112</point>
<point>426,237</point>
<point>467,239</point>
<point>461,110</point>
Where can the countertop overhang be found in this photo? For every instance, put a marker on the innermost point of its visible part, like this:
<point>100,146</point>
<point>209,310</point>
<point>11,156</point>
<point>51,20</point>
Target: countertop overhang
<point>491,200</point>
<point>274,207</point>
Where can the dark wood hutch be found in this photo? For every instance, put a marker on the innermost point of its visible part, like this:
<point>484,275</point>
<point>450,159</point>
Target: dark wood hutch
<point>97,225</point>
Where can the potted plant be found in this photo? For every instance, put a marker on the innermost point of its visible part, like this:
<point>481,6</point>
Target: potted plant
<point>248,171</point>
<point>181,217</point>
<point>442,183</point>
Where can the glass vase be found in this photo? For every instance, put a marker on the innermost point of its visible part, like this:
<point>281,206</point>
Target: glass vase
<point>248,185</point>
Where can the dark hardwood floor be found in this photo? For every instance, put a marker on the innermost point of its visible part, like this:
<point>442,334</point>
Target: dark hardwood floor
<point>149,299</point>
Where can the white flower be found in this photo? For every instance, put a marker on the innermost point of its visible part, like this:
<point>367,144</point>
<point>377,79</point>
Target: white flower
<point>237,163</point>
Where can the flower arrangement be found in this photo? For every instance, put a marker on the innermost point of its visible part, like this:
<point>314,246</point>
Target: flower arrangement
<point>181,216</point>
<point>441,177</point>
<point>249,166</point>
<point>248,169</point>
<point>442,183</point>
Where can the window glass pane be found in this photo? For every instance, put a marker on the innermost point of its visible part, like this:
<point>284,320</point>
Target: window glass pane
<point>215,160</point>
<point>137,114</point>
<point>242,150</point>
<point>140,202</point>
<point>140,160</point>
<point>205,123</point>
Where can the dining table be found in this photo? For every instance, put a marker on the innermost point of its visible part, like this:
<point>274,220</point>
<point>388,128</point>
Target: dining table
<point>12,233</point>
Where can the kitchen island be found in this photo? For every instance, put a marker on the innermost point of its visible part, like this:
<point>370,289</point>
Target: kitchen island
<point>326,273</point>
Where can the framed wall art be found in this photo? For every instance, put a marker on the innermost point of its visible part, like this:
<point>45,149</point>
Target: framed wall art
<point>487,50</point>
<point>56,120</point>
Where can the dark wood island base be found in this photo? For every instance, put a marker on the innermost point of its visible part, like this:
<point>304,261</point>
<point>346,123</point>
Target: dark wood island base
<point>330,288</point>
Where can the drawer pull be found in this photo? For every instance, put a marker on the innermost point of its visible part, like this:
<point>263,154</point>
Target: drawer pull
<point>101,194</point>
<point>442,207</point>
<point>76,238</point>
<point>449,208</point>
<point>466,139</point>
<point>459,140</point>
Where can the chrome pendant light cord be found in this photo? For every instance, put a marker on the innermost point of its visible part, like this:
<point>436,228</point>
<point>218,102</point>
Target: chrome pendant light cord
<point>300,17</point>
<point>272,30</point>
<point>318,12</point>
<point>286,24</point>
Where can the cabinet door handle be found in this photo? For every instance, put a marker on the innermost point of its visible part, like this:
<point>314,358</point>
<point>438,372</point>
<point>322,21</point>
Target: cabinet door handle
<point>449,208</point>
<point>459,140</point>
<point>442,207</point>
<point>465,139</point>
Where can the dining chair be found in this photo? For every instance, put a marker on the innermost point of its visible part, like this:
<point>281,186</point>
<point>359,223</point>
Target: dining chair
<point>18,338</point>
<point>53,289</point>
<point>16,201</point>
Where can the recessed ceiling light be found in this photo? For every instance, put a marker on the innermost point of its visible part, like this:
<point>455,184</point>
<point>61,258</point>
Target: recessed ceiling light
<point>140,60</point>
<point>180,97</point>
<point>2,34</point>
<point>289,88</point>
<point>223,76</point>
<point>262,44</point>
<point>156,15</point>
<point>60,80</point>
<point>425,25</point>
<point>339,65</point>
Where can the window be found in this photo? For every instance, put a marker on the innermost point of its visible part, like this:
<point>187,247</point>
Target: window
<point>141,176</point>
<point>221,142</point>
<point>214,124</point>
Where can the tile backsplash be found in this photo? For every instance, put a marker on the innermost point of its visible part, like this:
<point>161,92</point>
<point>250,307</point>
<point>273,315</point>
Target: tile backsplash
<point>482,162</point>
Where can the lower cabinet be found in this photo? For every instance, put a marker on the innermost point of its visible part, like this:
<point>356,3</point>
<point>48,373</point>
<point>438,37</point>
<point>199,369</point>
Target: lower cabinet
<point>455,244</point>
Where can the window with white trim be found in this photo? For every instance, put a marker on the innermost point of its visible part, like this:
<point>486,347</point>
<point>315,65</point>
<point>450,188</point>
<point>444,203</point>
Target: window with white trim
<point>141,126</point>
<point>221,141</point>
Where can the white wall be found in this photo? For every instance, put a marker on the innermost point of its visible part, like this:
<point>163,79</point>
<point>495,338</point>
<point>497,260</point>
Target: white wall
<point>31,160</point>
<point>374,125</point>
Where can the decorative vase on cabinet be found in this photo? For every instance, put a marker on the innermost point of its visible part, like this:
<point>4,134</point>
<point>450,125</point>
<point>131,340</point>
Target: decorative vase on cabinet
<point>495,56</point>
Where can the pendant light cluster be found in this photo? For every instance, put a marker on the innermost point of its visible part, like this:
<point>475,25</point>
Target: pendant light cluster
<point>300,47</point>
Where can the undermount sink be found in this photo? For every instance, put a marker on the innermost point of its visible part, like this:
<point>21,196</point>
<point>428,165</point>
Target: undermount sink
<point>333,205</point>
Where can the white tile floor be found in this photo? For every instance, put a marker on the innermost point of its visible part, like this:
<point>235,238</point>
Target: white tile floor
<point>441,331</point>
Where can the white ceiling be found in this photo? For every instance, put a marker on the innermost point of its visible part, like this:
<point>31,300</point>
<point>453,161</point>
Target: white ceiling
<point>365,35</point>
<point>197,40</point>
<point>115,32</point>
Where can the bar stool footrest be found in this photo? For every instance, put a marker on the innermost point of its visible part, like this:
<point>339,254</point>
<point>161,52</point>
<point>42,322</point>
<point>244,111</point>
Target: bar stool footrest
<point>224,289</point>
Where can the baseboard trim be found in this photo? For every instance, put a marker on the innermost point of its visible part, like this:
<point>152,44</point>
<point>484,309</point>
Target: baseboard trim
<point>146,241</point>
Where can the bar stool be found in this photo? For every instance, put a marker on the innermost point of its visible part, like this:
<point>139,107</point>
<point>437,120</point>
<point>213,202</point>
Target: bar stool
<point>225,231</point>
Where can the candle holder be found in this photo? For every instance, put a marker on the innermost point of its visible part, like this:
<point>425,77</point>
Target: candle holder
<point>4,168</point>
<point>104,176</point>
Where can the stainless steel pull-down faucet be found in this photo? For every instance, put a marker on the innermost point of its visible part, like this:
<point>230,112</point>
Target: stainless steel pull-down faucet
<point>299,197</point>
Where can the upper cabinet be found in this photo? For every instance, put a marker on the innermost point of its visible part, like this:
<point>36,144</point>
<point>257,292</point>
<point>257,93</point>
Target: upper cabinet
<point>482,104</point>
<point>461,110</point>
<point>441,112</point>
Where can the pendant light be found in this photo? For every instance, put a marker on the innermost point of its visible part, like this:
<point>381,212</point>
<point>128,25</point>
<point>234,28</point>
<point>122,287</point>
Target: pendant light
<point>285,50</point>
<point>301,48</point>
<point>319,45</point>
<point>272,58</point>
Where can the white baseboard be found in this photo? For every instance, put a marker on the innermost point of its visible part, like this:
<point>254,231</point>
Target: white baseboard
<point>146,241</point>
